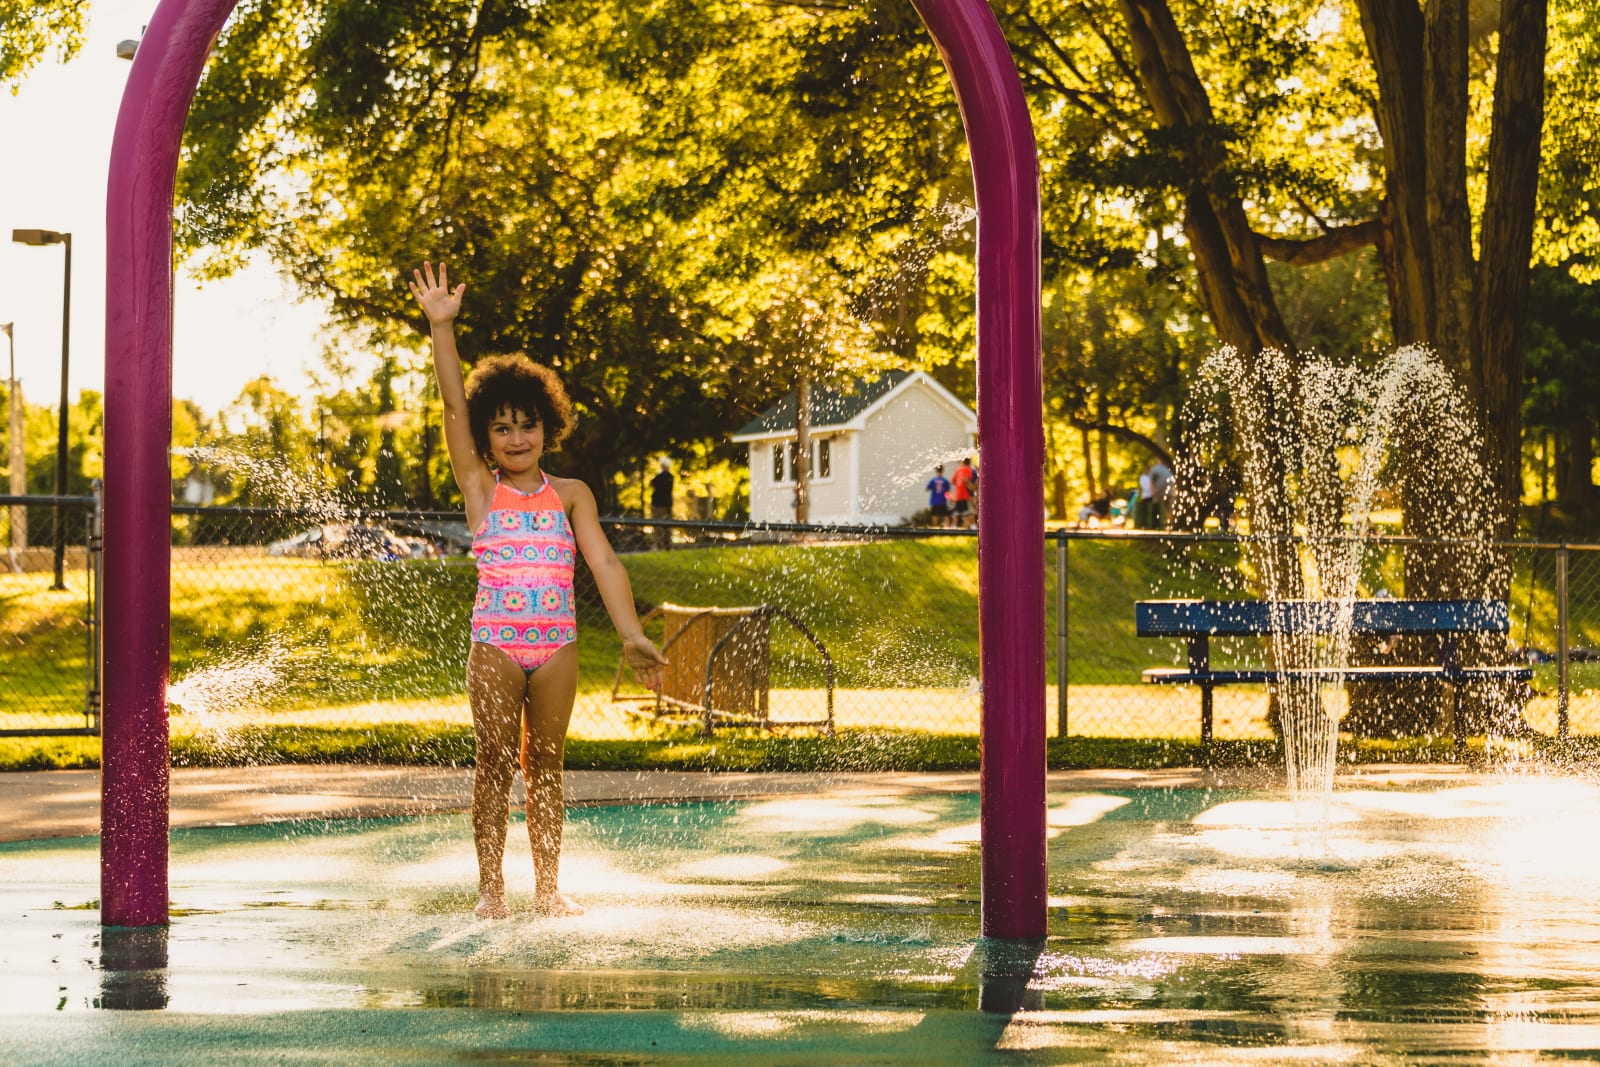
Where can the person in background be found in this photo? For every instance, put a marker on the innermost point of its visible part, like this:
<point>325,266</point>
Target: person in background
<point>661,502</point>
<point>939,497</point>
<point>1143,508</point>
<point>965,489</point>
<point>1160,490</point>
<point>1096,511</point>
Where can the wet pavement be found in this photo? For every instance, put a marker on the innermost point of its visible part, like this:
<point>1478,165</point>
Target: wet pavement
<point>41,804</point>
<point>1425,916</point>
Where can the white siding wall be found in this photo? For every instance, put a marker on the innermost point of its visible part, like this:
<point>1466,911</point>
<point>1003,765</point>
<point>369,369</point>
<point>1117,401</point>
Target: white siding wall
<point>768,503</point>
<point>902,443</point>
<point>830,497</point>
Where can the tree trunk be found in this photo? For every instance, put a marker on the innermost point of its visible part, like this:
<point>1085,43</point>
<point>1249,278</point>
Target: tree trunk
<point>802,457</point>
<point>1228,258</point>
<point>1575,464</point>
<point>1473,313</point>
<point>1394,32</point>
<point>1101,448</point>
<point>1507,239</point>
<point>1060,506</point>
<point>1233,274</point>
<point>1090,482</point>
<point>424,481</point>
<point>1444,189</point>
<point>1544,469</point>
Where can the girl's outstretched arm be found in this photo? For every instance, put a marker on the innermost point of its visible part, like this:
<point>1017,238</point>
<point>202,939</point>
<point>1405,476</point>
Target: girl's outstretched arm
<point>641,653</point>
<point>441,305</point>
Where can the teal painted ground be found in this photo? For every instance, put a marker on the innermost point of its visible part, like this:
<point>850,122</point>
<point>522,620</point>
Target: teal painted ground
<point>1453,924</point>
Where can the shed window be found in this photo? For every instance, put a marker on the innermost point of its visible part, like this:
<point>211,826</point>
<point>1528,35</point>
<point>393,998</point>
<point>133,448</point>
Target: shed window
<point>785,458</point>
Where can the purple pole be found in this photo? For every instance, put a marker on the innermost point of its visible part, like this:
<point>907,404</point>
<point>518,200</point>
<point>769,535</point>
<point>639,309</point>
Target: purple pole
<point>1005,178</point>
<point>138,494</point>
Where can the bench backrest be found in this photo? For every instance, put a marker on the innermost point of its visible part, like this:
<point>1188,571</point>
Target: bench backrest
<point>1189,618</point>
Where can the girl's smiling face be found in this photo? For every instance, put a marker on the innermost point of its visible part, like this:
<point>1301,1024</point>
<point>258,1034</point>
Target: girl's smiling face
<point>516,440</point>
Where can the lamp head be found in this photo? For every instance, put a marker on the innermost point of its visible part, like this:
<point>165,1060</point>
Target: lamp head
<point>6,326</point>
<point>38,237</point>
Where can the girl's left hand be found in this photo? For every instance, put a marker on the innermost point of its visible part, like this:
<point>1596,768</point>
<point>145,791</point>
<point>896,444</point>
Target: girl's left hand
<point>439,302</point>
<point>645,660</point>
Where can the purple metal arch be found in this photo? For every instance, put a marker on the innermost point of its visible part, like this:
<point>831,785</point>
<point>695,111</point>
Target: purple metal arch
<point>138,473</point>
<point>1005,178</point>
<point>144,159</point>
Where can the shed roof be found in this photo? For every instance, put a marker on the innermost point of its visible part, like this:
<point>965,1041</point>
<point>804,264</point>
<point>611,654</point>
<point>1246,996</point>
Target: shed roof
<point>830,408</point>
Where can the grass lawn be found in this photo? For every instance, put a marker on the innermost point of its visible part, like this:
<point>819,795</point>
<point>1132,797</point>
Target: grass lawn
<point>436,744</point>
<point>287,648</point>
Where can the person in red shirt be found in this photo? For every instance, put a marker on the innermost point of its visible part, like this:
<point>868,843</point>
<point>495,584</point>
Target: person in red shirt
<point>965,486</point>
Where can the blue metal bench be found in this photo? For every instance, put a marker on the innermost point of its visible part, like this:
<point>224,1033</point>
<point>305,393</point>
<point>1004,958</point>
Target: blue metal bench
<point>1198,621</point>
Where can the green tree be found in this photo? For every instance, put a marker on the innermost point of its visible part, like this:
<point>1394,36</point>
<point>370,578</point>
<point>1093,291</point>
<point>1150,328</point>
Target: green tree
<point>1113,347</point>
<point>616,183</point>
<point>1305,132</point>
<point>1564,377</point>
<point>41,434</point>
<point>263,448</point>
<point>32,29</point>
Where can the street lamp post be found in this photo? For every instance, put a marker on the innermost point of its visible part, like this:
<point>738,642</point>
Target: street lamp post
<point>19,474</point>
<point>51,237</point>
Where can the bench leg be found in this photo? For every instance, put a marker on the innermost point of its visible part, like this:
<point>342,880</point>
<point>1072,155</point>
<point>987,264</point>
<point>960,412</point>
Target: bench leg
<point>1456,724</point>
<point>1205,716</point>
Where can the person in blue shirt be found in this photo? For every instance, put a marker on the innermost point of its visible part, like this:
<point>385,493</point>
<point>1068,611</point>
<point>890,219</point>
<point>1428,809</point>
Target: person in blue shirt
<point>939,497</point>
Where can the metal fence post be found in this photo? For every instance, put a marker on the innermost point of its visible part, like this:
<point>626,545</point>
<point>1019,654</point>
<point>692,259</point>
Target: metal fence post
<point>1563,691</point>
<point>94,567</point>
<point>1061,633</point>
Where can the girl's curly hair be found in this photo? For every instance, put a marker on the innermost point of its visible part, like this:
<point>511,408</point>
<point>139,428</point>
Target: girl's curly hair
<point>518,383</point>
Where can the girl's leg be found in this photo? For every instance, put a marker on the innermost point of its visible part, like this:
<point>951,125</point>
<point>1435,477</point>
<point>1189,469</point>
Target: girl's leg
<point>551,692</point>
<point>497,689</point>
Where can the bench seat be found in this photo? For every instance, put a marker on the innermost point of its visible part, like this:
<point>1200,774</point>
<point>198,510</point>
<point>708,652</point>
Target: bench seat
<point>1197,621</point>
<point>1265,675</point>
<point>1385,617</point>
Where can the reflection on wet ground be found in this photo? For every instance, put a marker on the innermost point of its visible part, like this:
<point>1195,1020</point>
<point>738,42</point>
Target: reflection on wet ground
<point>1406,923</point>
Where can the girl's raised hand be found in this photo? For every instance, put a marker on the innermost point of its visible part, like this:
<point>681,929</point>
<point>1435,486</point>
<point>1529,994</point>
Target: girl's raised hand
<point>438,302</point>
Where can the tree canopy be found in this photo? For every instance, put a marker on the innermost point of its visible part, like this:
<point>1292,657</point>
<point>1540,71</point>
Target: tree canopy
<point>30,30</point>
<point>687,207</point>
<point>680,207</point>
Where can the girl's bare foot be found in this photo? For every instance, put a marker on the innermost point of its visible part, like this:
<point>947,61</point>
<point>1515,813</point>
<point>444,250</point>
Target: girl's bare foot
<point>492,906</point>
<point>558,906</point>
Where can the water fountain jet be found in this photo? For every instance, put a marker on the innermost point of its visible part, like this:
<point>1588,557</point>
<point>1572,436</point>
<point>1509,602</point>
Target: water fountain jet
<point>1319,441</point>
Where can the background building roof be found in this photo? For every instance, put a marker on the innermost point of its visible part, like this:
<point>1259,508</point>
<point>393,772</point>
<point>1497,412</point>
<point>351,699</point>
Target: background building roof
<point>829,407</point>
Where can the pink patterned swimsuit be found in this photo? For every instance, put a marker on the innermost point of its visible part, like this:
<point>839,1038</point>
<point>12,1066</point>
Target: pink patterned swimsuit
<point>525,552</point>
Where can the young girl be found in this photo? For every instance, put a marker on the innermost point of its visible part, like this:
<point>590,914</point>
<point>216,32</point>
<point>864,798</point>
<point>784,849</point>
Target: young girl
<point>522,671</point>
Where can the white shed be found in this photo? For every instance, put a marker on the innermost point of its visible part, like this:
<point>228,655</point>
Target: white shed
<point>873,450</point>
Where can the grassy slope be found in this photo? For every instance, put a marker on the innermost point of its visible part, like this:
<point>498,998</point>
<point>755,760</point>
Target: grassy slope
<point>341,634</point>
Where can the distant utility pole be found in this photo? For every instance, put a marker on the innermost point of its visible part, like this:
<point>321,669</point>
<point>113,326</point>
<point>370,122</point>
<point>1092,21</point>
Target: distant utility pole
<point>52,237</point>
<point>19,472</point>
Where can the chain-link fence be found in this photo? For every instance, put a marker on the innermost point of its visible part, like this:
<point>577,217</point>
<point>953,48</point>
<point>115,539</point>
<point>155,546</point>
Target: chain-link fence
<point>281,617</point>
<point>367,621</point>
<point>49,616</point>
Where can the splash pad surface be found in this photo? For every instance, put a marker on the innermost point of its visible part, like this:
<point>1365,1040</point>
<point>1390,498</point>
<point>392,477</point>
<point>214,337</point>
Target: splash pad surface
<point>1438,914</point>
